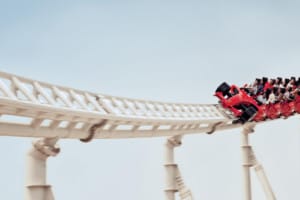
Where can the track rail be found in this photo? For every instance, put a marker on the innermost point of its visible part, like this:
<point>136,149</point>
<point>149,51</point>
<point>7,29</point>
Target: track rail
<point>31,108</point>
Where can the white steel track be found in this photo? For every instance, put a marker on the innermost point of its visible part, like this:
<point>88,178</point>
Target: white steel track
<point>30,108</point>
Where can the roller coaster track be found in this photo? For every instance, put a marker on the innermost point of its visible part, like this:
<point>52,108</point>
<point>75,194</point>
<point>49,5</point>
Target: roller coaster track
<point>30,108</point>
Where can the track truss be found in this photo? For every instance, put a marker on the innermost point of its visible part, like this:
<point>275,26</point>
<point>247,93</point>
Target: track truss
<point>30,108</point>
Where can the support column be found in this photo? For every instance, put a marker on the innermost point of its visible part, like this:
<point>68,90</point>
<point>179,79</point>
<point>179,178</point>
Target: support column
<point>246,149</point>
<point>36,169</point>
<point>261,175</point>
<point>171,167</point>
<point>174,180</point>
<point>249,160</point>
<point>184,192</point>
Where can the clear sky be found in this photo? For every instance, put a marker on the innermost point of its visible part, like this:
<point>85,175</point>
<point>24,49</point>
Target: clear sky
<point>176,51</point>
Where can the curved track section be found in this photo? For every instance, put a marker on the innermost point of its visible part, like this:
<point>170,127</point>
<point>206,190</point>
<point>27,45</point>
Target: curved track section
<point>31,108</point>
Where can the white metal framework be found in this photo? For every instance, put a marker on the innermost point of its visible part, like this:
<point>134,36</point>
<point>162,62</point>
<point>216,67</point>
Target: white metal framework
<point>47,110</point>
<point>29,108</point>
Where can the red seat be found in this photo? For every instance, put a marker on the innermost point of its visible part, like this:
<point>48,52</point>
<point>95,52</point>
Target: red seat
<point>297,104</point>
<point>287,108</point>
<point>273,110</point>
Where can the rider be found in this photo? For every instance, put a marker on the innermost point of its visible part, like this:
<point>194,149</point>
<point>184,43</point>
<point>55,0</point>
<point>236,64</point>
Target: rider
<point>272,96</point>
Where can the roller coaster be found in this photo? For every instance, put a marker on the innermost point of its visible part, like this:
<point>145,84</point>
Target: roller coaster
<point>48,112</point>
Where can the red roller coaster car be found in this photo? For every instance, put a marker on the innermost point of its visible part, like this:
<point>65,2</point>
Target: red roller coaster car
<point>246,108</point>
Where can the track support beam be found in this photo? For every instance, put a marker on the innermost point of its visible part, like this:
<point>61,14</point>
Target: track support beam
<point>36,169</point>
<point>249,160</point>
<point>174,180</point>
<point>246,160</point>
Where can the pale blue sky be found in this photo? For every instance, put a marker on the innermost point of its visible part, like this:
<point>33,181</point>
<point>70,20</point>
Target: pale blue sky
<point>162,50</point>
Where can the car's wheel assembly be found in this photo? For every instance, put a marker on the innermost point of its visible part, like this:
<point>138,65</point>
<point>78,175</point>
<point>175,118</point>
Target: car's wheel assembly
<point>248,114</point>
<point>224,88</point>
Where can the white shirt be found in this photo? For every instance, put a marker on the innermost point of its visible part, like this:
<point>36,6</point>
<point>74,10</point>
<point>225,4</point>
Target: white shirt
<point>272,98</point>
<point>261,99</point>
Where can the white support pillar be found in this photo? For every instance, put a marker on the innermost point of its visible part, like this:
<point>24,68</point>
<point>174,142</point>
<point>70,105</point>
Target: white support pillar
<point>171,167</point>
<point>36,168</point>
<point>249,160</point>
<point>246,149</point>
<point>261,175</point>
<point>184,192</point>
<point>174,180</point>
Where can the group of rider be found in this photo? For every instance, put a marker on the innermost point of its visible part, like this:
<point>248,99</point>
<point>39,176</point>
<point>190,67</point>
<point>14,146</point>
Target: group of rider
<point>269,91</point>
